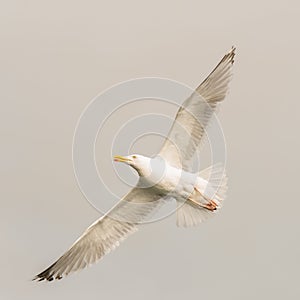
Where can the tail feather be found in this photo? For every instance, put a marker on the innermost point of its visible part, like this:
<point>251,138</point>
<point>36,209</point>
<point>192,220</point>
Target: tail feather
<point>188,213</point>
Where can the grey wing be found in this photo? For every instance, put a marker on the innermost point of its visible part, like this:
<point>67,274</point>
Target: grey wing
<point>192,118</point>
<point>105,234</point>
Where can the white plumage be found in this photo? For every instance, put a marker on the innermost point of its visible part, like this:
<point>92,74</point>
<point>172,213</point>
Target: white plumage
<point>164,177</point>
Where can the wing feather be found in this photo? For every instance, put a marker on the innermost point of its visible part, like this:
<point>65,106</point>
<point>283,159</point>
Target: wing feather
<point>105,234</point>
<point>189,126</point>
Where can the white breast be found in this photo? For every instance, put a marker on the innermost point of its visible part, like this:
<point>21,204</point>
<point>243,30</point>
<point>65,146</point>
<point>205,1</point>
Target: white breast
<point>175,181</point>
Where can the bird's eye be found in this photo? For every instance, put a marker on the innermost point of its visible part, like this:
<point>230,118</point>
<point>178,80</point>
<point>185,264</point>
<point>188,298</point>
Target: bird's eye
<point>133,156</point>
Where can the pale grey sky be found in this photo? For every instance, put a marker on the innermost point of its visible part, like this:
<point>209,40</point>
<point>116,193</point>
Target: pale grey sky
<point>57,55</point>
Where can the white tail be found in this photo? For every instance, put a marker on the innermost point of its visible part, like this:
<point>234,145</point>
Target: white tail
<point>190,214</point>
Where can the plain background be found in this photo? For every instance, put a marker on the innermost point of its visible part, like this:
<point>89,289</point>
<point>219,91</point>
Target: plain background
<point>57,55</point>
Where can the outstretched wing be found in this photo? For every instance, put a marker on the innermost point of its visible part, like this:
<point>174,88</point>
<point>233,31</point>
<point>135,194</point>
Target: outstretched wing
<point>105,234</point>
<point>195,113</point>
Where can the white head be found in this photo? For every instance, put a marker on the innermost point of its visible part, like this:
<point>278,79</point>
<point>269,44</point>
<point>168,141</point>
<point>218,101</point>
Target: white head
<point>139,162</point>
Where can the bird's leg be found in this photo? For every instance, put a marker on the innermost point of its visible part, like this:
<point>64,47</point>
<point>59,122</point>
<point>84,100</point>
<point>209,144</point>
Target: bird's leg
<point>210,205</point>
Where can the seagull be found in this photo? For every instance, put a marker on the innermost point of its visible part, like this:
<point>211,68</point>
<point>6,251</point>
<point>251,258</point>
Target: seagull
<point>168,175</point>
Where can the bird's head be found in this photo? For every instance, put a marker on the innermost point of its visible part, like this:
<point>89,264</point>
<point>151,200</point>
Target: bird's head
<point>139,162</point>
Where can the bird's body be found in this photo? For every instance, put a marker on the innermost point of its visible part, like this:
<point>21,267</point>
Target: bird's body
<point>170,181</point>
<point>166,176</point>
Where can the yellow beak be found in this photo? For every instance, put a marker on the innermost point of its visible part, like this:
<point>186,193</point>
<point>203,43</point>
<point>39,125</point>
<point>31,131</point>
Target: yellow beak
<point>120,158</point>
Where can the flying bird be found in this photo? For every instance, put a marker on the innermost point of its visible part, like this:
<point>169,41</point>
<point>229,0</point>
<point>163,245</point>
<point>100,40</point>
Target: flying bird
<point>166,176</point>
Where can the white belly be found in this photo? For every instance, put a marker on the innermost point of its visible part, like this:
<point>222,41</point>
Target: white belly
<point>173,181</point>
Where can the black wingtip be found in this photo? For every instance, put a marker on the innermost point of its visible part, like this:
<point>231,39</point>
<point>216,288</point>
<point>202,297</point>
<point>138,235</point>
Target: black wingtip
<point>38,278</point>
<point>232,54</point>
<point>47,275</point>
<point>48,278</point>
